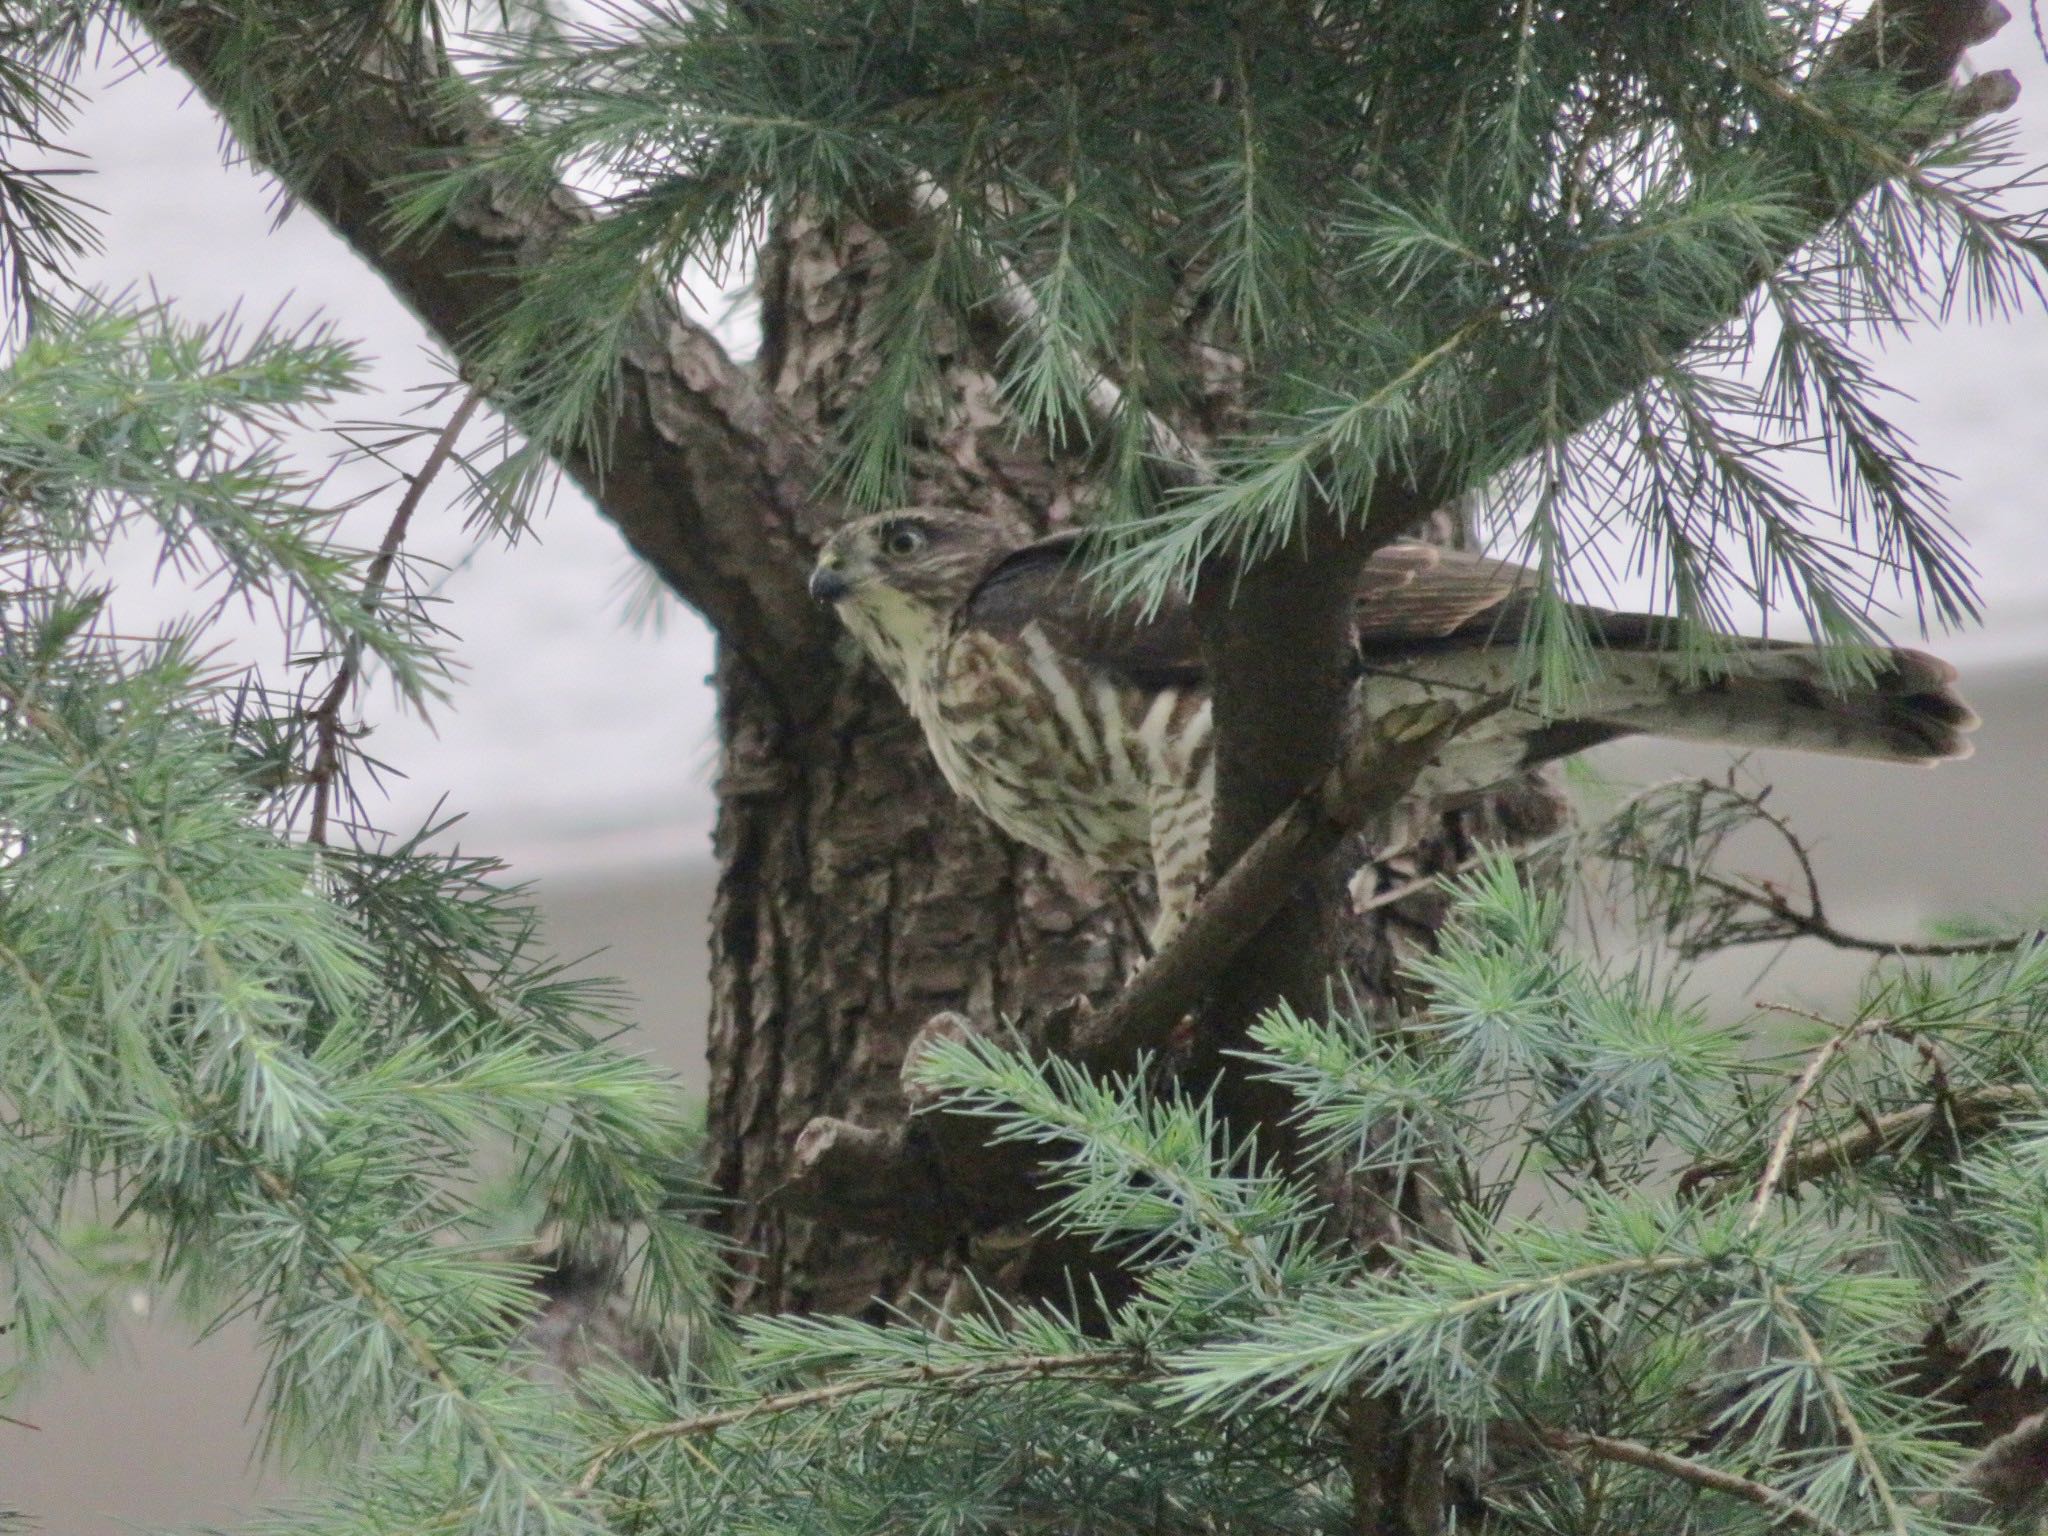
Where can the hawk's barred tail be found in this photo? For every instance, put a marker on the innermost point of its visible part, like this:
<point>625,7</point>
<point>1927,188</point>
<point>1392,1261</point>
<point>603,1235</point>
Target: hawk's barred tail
<point>1907,712</point>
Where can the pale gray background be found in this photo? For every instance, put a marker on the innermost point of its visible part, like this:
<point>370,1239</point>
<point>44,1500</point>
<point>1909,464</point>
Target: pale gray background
<point>581,750</point>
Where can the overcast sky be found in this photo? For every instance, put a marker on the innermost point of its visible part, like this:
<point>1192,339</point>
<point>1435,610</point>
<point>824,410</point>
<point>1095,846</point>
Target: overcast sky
<point>575,741</point>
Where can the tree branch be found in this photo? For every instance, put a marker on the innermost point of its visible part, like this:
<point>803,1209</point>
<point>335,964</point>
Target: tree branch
<point>325,716</point>
<point>969,1376</point>
<point>1975,1110</point>
<point>707,477</point>
<point>1365,784</point>
<point>1773,1179</point>
<point>1634,1454</point>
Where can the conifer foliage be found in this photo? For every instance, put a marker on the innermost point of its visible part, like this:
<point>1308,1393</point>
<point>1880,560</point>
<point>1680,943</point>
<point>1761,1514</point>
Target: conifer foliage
<point>1253,266</point>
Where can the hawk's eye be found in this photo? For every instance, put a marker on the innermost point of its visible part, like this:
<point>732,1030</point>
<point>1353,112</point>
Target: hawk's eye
<point>904,539</point>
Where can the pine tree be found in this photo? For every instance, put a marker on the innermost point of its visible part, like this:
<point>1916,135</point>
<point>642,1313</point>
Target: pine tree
<point>1504,1238</point>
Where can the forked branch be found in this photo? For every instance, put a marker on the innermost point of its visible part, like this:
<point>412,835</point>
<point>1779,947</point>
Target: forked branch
<point>1960,1114</point>
<point>707,476</point>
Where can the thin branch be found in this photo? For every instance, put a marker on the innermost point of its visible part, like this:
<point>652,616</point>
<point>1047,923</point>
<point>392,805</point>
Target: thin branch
<point>1831,1155</point>
<point>1788,1126</point>
<point>1882,1133</point>
<point>969,1376</point>
<point>1626,843</point>
<point>1634,1454</point>
<point>1777,1175</point>
<point>1838,1401</point>
<point>1815,924</point>
<point>325,716</point>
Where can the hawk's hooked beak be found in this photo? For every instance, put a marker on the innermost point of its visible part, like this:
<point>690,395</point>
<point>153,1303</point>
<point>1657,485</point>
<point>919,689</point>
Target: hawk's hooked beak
<point>828,585</point>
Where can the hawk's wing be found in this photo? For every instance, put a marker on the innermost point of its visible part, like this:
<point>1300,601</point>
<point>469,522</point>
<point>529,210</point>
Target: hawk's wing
<point>1044,581</point>
<point>1407,594</point>
<point>1411,593</point>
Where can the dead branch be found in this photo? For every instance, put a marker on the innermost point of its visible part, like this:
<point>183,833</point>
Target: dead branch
<point>1627,842</point>
<point>1773,1179</point>
<point>1830,1156</point>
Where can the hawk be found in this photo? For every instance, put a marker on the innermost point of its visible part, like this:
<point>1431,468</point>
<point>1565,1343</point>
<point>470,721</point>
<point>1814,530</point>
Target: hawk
<point>1084,730</point>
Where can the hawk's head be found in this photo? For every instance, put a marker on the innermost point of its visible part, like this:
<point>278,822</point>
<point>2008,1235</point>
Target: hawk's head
<point>895,578</point>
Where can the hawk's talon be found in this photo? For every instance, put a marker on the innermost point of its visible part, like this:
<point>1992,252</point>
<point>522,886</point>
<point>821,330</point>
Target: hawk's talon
<point>1409,723</point>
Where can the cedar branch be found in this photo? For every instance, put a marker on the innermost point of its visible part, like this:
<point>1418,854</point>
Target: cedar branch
<point>1634,1454</point>
<point>968,1376</point>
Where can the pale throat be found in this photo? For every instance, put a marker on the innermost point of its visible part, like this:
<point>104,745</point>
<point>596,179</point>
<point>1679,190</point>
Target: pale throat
<point>900,633</point>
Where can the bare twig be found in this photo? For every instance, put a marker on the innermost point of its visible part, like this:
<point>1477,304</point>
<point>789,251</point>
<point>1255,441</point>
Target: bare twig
<point>1815,924</point>
<point>325,716</point>
<point>1627,844</point>
<point>1962,1112</point>
<point>969,1376</point>
<point>1634,1454</point>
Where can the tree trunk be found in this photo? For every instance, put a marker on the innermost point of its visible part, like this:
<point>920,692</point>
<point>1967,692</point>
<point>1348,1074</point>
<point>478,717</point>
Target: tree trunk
<point>857,895</point>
